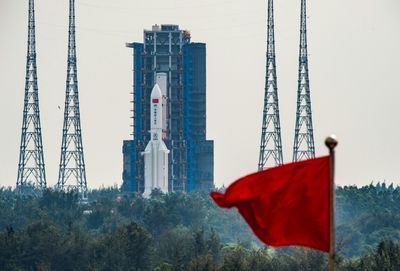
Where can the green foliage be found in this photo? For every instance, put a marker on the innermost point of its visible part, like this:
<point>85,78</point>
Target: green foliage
<point>128,248</point>
<point>365,216</point>
<point>180,231</point>
<point>386,257</point>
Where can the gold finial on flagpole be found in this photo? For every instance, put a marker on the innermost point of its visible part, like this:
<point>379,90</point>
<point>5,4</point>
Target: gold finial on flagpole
<point>331,142</point>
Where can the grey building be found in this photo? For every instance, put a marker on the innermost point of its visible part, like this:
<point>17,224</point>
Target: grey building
<point>167,49</point>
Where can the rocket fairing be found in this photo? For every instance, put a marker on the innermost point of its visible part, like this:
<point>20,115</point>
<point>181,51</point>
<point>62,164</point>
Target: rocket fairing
<point>161,80</point>
<point>156,152</point>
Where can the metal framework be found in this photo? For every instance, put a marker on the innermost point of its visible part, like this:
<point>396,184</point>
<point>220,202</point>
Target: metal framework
<point>31,168</point>
<point>168,49</point>
<point>303,147</point>
<point>161,52</point>
<point>271,143</point>
<point>165,47</point>
<point>72,174</point>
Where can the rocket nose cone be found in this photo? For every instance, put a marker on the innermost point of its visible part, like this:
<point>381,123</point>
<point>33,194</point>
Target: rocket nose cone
<point>156,92</point>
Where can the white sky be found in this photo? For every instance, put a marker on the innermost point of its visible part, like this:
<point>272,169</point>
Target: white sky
<point>354,61</point>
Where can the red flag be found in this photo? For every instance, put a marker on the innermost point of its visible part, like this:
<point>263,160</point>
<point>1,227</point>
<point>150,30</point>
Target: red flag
<point>285,205</point>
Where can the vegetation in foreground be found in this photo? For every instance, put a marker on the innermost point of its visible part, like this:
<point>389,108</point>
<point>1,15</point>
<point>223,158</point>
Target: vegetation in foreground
<point>183,232</point>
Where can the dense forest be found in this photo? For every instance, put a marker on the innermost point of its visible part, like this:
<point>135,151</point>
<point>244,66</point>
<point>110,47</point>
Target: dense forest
<point>179,231</point>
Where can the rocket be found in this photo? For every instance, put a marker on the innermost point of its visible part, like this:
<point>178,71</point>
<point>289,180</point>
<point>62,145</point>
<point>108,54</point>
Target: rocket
<point>156,152</point>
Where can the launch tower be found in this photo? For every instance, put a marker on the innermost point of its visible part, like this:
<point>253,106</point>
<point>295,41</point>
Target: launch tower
<point>168,50</point>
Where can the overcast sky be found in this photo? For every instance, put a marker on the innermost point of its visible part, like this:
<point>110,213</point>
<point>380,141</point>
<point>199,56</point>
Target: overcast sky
<point>354,69</point>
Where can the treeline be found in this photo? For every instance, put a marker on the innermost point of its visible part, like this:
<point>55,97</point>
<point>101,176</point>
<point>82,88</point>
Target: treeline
<point>182,232</point>
<point>365,216</point>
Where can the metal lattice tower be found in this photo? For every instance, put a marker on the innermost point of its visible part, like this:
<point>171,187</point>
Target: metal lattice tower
<point>72,174</point>
<point>303,147</point>
<point>31,169</point>
<point>271,144</point>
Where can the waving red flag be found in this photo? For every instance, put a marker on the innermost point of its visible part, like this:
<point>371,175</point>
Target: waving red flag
<point>285,205</point>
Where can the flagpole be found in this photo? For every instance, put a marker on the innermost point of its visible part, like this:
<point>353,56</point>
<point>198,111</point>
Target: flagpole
<point>331,143</point>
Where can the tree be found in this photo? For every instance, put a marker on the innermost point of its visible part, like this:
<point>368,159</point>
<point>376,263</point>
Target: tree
<point>234,257</point>
<point>128,248</point>
<point>40,245</point>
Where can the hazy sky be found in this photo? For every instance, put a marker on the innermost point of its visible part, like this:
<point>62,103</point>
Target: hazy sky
<point>354,61</point>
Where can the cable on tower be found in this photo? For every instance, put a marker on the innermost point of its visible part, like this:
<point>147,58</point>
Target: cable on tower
<point>72,174</point>
<point>271,143</point>
<point>31,168</point>
<point>303,147</point>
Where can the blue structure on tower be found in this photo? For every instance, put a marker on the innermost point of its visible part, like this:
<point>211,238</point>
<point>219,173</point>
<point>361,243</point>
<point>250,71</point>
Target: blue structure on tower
<point>167,49</point>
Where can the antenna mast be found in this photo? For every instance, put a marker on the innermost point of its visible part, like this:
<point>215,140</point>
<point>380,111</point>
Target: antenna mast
<point>72,163</point>
<point>271,144</point>
<point>31,168</point>
<point>303,147</point>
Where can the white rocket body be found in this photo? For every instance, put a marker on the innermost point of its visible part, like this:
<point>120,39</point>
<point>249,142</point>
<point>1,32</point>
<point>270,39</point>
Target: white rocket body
<point>161,80</point>
<point>156,152</point>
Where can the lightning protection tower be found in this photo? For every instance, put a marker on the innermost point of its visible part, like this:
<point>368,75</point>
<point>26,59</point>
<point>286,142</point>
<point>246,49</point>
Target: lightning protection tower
<point>303,147</point>
<point>271,144</point>
<point>72,174</point>
<point>31,169</point>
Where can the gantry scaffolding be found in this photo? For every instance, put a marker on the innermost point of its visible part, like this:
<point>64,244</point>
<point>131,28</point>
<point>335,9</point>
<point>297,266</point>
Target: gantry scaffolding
<point>167,49</point>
